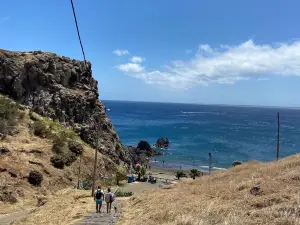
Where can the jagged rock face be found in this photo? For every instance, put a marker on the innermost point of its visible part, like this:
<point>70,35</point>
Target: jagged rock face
<point>62,89</point>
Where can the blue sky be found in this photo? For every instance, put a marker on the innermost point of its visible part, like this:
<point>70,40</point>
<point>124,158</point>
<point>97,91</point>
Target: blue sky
<point>216,52</point>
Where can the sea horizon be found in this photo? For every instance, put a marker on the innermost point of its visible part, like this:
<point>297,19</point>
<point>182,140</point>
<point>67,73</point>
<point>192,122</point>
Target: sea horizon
<point>208,104</point>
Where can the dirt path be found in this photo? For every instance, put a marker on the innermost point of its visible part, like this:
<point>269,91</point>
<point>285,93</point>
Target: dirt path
<point>112,218</point>
<point>102,218</point>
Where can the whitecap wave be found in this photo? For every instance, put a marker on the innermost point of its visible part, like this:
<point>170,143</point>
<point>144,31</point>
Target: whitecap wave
<point>214,168</point>
<point>211,113</point>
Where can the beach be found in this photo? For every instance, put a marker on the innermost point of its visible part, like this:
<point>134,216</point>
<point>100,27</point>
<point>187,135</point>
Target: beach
<point>164,177</point>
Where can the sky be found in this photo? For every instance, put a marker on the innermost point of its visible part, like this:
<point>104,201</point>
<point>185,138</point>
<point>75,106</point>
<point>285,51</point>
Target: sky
<point>236,52</point>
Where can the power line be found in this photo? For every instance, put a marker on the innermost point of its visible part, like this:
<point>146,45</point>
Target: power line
<point>78,31</point>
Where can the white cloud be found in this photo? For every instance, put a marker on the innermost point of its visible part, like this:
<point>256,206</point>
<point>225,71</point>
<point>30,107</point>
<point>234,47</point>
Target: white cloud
<point>120,52</point>
<point>131,68</point>
<point>206,49</point>
<point>137,59</point>
<point>227,65</point>
<point>262,79</point>
<point>4,19</point>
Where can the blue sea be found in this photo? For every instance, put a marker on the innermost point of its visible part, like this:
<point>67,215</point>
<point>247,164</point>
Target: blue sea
<point>229,133</point>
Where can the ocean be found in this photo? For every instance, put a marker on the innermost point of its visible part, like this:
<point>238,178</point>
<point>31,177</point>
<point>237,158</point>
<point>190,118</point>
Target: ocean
<point>229,133</point>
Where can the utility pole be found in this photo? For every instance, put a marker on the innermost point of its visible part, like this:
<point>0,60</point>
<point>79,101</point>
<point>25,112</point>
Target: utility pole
<point>209,163</point>
<point>78,182</point>
<point>95,162</point>
<point>278,136</point>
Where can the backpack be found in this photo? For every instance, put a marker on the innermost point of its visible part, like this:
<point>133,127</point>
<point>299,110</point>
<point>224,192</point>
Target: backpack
<point>110,197</point>
<point>113,197</point>
<point>99,194</point>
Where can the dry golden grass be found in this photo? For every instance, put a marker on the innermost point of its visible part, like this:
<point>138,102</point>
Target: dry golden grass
<point>65,207</point>
<point>224,198</point>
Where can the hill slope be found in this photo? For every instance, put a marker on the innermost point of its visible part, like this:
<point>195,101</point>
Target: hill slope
<point>224,198</point>
<point>62,89</point>
<point>51,122</point>
<point>30,145</point>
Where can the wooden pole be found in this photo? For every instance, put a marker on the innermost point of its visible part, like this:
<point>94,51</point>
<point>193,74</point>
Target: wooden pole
<point>78,182</point>
<point>95,165</point>
<point>278,136</point>
<point>209,163</point>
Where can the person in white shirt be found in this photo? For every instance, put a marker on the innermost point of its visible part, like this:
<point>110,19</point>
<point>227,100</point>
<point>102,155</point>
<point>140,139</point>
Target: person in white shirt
<point>98,197</point>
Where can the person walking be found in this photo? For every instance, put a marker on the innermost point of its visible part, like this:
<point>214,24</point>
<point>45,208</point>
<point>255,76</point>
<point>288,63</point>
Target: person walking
<point>98,197</point>
<point>109,198</point>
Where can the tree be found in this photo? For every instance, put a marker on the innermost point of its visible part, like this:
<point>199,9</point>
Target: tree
<point>194,173</point>
<point>121,174</point>
<point>179,174</point>
<point>140,171</point>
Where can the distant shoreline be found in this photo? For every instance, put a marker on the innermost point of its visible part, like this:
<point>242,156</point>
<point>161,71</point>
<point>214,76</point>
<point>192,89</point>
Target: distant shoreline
<point>181,166</point>
<point>167,173</point>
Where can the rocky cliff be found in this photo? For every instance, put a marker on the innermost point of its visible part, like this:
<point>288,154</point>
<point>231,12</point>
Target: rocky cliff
<point>62,89</point>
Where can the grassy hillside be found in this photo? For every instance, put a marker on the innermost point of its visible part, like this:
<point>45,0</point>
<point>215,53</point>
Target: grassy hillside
<point>224,198</point>
<point>29,142</point>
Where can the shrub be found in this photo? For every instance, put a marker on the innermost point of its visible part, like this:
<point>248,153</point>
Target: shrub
<point>9,115</point>
<point>57,161</point>
<point>58,149</point>
<point>4,150</point>
<point>195,173</point>
<point>75,147</point>
<point>4,128</point>
<point>8,109</point>
<point>7,197</point>
<point>40,129</point>
<point>68,134</point>
<point>236,163</point>
<point>33,116</point>
<point>123,194</point>
<point>35,178</point>
<point>61,160</point>
<point>69,158</point>
<point>86,185</point>
<point>59,144</point>
<point>179,174</point>
<point>121,174</point>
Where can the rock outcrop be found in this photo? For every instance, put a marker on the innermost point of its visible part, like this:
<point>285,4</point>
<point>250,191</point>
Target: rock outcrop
<point>144,146</point>
<point>162,143</point>
<point>143,152</point>
<point>62,89</point>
